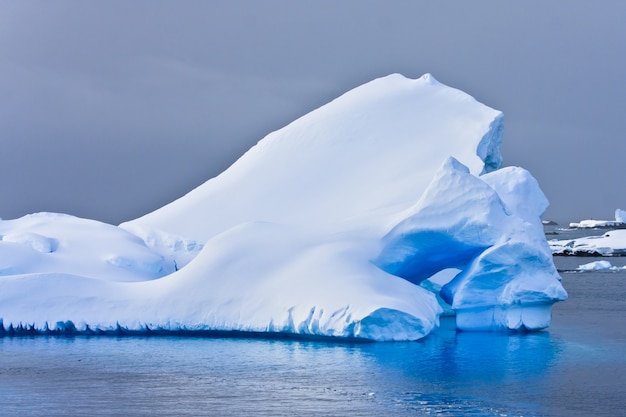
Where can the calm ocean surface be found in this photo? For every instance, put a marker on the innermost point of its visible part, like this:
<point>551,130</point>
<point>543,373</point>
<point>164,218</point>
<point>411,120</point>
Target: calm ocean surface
<point>576,368</point>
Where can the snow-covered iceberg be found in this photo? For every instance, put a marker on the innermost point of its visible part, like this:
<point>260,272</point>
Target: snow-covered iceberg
<point>599,266</point>
<point>619,222</point>
<point>612,243</point>
<point>331,226</point>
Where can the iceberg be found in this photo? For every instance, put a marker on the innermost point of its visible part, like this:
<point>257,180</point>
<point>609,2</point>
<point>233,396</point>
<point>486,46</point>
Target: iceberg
<point>611,243</point>
<point>619,222</point>
<point>336,225</point>
<point>599,266</point>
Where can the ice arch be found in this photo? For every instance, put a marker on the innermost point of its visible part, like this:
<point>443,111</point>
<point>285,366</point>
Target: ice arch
<point>507,277</point>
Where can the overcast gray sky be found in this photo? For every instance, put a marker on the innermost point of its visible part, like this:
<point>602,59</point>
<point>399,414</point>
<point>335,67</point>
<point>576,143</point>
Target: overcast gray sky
<point>109,110</point>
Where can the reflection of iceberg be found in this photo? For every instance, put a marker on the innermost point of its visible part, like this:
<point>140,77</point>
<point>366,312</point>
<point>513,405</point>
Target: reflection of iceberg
<point>323,228</point>
<point>455,373</point>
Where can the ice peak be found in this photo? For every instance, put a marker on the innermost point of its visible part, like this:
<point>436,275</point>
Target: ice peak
<point>429,78</point>
<point>375,143</point>
<point>453,164</point>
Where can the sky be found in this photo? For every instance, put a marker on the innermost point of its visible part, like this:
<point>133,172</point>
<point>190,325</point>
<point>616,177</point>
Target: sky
<point>110,110</point>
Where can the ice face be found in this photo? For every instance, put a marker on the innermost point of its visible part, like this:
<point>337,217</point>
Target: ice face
<point>324,228</point>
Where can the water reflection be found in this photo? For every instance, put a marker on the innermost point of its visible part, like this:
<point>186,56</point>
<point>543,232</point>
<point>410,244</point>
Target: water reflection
<point>482,373</point>
<point>458,354</point>
<point>447,373</point>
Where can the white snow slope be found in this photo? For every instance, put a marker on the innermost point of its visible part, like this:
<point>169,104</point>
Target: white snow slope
<point>325,228</point>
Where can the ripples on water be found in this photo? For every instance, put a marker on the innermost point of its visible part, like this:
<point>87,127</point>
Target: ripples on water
<point>576,368</point>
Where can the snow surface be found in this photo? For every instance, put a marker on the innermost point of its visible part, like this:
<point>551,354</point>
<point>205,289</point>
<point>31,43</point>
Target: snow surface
<point>60,243</point>
<point>336,225</point>
<point>612,243</point>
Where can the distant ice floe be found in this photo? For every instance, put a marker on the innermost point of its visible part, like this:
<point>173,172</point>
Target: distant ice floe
<point>342,224</point>
<point>600,266</point>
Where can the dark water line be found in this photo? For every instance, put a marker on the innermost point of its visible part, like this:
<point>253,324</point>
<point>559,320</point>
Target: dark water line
<point>70,331</point>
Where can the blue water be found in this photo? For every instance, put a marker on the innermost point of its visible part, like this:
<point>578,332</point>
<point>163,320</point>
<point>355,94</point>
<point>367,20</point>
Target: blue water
<point>449,374</point>
<point>446,374</point>
<point>577,368</point>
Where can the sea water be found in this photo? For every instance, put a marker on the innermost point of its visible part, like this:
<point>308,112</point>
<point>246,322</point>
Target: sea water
<point>576,368</point>
<point>447,374</point>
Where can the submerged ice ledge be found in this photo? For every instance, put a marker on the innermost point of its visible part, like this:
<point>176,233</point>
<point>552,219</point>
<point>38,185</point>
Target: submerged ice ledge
<point>515,317</point>
<point>69,329</point>
<point>382,324</point>
<point>333,226</point>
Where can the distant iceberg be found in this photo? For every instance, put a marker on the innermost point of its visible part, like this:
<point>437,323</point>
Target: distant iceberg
<point>618,223</point>
<point>335,225</point>
<point>612,243</point>
<point>599,266</point>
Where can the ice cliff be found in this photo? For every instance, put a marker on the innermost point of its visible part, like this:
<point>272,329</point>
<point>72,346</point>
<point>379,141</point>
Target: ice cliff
<point>331,226</point>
